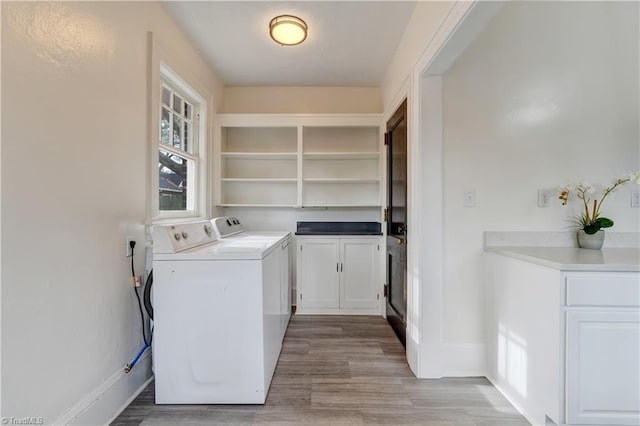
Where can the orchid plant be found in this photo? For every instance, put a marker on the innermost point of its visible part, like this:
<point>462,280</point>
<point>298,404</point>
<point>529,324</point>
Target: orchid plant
<point>590,221</point>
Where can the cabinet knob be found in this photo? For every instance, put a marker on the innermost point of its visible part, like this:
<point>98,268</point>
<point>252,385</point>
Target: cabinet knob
<point>401,241</point>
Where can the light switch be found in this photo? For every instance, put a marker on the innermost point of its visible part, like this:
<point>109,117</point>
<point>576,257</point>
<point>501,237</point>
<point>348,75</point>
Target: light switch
<point>543,198</point>
<point>469,198</point>
<point>635,198</point>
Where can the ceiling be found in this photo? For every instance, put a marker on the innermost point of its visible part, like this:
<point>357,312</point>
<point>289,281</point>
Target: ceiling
<point>350,43</point>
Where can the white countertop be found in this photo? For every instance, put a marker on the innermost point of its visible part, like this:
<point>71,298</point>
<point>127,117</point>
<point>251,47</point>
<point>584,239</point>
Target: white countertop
<point>576,259</point>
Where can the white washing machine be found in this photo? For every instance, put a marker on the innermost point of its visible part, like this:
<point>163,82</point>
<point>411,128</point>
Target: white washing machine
<point>231,229</point>
<point>217,316</point>
<point>227,228</point>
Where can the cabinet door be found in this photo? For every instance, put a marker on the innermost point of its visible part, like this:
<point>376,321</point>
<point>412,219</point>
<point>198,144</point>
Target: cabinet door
<point>359,273</point>
<point>318,286</point>
<point>603,373</point>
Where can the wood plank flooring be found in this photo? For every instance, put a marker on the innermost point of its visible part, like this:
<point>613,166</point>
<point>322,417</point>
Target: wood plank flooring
<point>343,370</point>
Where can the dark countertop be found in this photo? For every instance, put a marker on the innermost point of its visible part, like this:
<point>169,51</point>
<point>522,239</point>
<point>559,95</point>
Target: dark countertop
<point>338,228</point>
<point>338,233</point>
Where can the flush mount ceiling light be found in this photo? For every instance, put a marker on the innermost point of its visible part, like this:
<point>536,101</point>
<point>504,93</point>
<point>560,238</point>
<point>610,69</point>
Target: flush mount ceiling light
<point>288,30</point>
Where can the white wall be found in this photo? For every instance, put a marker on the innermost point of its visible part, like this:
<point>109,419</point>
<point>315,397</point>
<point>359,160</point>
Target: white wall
<point>302,100</point>
<point>547,94</point>
<point>423,25</point>
<point>74,162</point>
<point>274,219</point>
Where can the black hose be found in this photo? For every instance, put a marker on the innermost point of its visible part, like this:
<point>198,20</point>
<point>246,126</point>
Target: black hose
<point>135,289</point>
<point>147,295</point>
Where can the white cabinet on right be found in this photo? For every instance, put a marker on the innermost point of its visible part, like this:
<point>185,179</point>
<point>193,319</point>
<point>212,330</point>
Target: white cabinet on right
<point>603,349</point>
<point>339,275</point>
<point>563,333</point>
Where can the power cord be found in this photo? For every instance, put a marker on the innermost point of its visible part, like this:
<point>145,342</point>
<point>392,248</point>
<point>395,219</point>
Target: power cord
<point>147,345</point>
<point>132,244</point>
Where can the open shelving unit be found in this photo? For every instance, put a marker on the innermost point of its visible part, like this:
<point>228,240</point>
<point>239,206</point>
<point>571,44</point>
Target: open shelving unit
<point>259,166</point>
<point>300,160</point>
<point>341,166</point>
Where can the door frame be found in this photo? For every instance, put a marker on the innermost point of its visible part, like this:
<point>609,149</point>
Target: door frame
<point>425,257</point>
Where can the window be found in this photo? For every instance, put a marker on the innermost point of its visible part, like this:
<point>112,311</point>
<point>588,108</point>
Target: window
<point>180,149</point>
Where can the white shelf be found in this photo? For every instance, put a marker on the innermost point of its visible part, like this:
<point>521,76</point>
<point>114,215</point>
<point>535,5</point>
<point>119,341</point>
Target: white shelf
<point>341,180</point>
<point>260,155</point>
<point>261,180</point>
<point>340,155</point>
<point>313,206</point>
<point>259,205</point>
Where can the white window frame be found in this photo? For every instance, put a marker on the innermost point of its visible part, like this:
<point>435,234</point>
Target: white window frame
<point>161,71</point>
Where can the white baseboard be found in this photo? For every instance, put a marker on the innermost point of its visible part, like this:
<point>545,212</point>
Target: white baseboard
<point>109,399</point>
<point>337,311</point>
<point>130,400</point>
<point>463,360</point>
<point>517,406</point>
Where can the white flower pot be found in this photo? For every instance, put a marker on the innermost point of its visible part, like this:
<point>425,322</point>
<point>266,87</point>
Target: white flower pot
<point>593,241</point>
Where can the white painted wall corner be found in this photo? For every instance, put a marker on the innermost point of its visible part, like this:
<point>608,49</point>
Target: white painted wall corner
<point>464,360</point>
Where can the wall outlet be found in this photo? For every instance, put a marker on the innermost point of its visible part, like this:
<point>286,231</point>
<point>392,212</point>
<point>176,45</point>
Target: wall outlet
<point>543,198</point>
<point>469,198</point>
<point>128,251</point>
<point>635,198</point>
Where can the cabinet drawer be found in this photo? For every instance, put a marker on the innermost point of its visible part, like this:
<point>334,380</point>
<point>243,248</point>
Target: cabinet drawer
<point>612,290</point>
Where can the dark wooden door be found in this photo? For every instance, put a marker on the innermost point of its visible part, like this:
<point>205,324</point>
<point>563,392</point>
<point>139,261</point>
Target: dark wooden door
<point>396,141</point>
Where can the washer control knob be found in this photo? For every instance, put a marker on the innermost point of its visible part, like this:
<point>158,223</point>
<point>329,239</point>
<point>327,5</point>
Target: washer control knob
<point>207,230</point>
<point>185,235</point>
<point>228,222</point>
<point>177,236</point>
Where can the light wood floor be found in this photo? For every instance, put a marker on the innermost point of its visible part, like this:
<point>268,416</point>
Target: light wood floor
<point>348,370</point>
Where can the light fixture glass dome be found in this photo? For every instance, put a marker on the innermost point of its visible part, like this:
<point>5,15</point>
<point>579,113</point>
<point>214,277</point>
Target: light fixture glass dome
<point>288,30</point>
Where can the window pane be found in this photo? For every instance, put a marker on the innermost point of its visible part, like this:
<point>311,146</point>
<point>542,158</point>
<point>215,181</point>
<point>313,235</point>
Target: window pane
<point>177,138</point>
<point>166,96</point>
<point>177,103</point>
<point>172,183</point>
<point>188,110</point>
<point>188,146</point>
<point>165,126</point>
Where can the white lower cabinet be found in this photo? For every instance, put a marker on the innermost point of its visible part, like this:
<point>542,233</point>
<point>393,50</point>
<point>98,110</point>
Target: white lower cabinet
<point>318,281</point>
<point>564,346</point>
<point>338,275</point>
<point>603,377</point>
<point>603,349</point>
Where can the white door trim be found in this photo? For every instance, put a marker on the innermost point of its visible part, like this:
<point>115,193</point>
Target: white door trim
<point>425,280</point>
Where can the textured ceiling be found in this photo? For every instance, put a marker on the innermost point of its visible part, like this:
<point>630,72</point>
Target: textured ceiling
<point>349,43</point>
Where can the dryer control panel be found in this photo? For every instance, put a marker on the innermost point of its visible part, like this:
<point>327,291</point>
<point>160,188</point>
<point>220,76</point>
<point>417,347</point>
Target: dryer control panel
<point>181,237</point>
<point>226,226</point>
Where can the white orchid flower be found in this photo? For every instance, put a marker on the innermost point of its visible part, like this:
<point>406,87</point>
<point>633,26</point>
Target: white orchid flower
<point>591,219</point>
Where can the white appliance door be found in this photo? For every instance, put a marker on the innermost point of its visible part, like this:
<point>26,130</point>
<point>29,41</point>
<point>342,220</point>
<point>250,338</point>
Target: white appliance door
<point>208,332</point>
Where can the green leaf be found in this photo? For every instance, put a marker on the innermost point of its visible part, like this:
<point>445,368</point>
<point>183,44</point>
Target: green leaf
<point>605,222</point>
<point>592,228</point>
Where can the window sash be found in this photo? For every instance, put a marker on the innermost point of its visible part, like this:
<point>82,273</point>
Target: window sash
<point>191,192</point>
<point>188,112</point>
<point>189,145</point>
